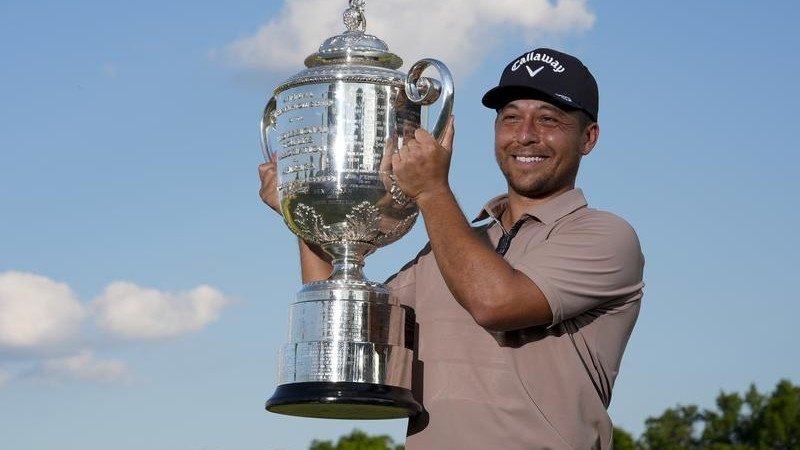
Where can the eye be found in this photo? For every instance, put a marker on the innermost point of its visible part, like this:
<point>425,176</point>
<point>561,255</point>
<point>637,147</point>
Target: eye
<point>549,120</point>
<point>509,117</point>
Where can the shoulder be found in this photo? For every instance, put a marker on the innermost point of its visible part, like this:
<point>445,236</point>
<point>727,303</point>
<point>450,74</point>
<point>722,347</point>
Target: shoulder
<point>407,274</point>
<point>595,221</point>
<point>600,232</point>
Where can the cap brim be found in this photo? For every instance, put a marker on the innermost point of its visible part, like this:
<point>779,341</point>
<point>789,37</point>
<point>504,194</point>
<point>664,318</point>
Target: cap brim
<point>500,96</point>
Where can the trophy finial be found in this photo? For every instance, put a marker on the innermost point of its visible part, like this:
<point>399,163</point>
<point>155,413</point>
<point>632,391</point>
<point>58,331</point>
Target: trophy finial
<point>353,16</point>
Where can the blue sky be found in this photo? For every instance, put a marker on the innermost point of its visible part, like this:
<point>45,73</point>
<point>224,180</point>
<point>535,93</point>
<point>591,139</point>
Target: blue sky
<point>144,288</point>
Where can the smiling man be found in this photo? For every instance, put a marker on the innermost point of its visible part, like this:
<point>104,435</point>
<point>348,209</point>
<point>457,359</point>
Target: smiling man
<point>524,317</point>
<point>523,320</point>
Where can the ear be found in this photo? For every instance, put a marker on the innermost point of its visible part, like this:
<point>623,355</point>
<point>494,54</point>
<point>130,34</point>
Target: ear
<point>590,136</point>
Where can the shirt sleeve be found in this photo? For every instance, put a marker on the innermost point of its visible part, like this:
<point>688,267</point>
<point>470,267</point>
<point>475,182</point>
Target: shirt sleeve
<point>585,263</point>
<point>403,283</point>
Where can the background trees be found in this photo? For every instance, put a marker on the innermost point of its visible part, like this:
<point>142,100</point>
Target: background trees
<point>358,440</point>
<point>752,421</point>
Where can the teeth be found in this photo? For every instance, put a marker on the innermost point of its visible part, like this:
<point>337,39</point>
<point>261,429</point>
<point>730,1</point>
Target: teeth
<point>530,159</point>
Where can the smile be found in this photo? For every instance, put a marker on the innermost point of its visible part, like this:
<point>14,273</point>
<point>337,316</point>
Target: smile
<point>529,159</point>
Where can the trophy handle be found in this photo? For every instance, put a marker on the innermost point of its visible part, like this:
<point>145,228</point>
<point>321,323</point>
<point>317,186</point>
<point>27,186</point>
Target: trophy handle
<point>267,122</point>
<point>425,91</point>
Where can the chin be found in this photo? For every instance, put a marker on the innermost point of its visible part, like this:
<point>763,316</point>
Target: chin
<point>529,191</point>
<point>537,190</point>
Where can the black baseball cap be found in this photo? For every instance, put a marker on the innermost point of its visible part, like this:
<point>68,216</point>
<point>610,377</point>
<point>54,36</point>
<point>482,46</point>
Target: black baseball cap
<point>546,74</point>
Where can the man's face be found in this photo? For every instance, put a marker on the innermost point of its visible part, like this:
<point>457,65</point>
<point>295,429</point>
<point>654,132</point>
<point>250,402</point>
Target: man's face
<point>539,146</point>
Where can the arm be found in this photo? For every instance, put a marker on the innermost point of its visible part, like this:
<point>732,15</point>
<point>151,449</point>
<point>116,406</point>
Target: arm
<point>314,263</point>
<point>497,296</point>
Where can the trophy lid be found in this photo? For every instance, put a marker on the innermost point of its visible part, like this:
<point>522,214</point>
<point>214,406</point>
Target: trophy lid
<point>354,46</point>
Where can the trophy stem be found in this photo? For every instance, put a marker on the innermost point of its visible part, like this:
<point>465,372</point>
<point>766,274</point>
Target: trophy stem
<point>348,259</point>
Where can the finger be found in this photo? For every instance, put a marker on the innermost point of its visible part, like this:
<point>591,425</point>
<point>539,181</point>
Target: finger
<point>269,195</point>
<point>410,148</point>
<point>262,169</point>
<point>265,193</point>
<point>449,133</point>
<point>268,180</point>
<point>397,161</point>
<point>391,144</point>
<point>386,161</point>
<point>422,135</point>
<point>265,168</point>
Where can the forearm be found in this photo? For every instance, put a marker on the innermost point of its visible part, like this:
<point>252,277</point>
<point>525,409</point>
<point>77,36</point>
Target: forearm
<point>314,263</point>
<point>496,295</point>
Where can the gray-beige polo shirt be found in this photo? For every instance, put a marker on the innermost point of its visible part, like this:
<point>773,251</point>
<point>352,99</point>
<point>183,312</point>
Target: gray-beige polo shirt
<point>542,387</point>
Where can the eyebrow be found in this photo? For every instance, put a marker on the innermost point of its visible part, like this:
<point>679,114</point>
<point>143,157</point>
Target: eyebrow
<point>552,108</point>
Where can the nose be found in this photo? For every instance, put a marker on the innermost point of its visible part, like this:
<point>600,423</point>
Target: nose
<point>527,132</point>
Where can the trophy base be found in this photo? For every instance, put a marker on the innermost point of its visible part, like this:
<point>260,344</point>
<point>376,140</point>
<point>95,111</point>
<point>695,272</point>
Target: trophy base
<point>343,400</point>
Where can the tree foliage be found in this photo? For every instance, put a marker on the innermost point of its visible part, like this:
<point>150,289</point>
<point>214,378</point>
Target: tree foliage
<point>623,440</point>
<point>752,421</point>
<point>358,440</point>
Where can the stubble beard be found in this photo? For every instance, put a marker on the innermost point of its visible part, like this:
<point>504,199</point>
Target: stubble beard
<point>537,186</point>
<point>536,189</point>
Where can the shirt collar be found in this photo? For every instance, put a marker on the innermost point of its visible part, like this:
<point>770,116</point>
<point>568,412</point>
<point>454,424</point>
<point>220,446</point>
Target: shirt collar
<point>548,212</point>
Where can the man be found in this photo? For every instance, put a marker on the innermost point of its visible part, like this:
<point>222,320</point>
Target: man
<point>522,320</point>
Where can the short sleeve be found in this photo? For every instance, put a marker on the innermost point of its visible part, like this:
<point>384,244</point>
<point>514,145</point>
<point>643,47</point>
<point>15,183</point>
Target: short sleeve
<point>584,263</point>
<point>403,283</point>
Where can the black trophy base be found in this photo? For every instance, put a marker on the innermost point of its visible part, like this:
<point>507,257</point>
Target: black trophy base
<point>343,400</point>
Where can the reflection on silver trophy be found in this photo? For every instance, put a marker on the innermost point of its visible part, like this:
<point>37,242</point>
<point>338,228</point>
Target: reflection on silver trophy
<point>333,128</point>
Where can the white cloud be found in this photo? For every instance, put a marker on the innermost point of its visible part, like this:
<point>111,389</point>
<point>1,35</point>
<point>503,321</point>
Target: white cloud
<point>457,32</point>
<point>41,321</point>
<point>37,312</point>
<point>84,366</point>
<point>132,312</point>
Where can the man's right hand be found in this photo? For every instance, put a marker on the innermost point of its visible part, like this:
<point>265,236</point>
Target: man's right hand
<point>269,185</point>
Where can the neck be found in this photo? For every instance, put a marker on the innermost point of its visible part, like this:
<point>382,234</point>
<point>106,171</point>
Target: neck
<point>519,204</point>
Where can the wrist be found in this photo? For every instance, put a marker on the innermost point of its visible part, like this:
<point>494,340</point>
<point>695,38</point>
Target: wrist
<point>431,197</point>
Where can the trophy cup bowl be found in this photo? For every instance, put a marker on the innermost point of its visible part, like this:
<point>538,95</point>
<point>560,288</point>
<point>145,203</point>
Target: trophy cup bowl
<point>333,128</point>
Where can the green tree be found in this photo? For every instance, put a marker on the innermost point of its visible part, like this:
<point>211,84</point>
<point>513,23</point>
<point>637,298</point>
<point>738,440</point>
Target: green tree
<point>751,422</point>
<point>729,428</point>
<point>623,440</point>
<point>777,425</point>
<point>358,440</point>
<point>673,430</point>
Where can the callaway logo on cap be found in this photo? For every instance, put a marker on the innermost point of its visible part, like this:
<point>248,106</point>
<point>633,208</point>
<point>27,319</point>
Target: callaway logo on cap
<point>546,74</point>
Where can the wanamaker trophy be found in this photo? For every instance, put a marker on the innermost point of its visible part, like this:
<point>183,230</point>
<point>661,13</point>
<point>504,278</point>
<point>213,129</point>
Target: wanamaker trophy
<point>333,128</point>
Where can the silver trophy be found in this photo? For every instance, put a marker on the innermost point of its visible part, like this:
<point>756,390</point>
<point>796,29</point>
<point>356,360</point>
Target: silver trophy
<point>333,128</point>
